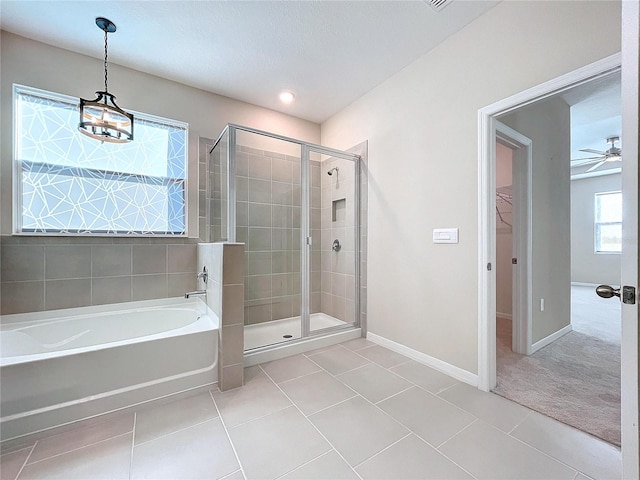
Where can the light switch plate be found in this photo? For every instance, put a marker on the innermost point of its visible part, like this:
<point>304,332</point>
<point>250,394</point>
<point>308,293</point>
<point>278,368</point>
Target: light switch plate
<point>445,235</point>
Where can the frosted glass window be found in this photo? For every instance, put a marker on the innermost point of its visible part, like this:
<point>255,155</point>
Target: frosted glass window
<point>608,222</point>
<point>68,183</point>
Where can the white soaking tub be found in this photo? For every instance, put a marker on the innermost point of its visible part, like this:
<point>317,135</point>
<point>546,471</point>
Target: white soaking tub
<point>62,366</point>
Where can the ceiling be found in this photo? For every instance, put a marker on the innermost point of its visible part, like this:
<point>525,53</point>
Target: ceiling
<point>596,113</point>
<point>329,53</point>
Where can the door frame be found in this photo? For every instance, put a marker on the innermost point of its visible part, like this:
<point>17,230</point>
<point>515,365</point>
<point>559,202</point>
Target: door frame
<point>629,256</point>
<point>486,200</point>
<point>522,281</point>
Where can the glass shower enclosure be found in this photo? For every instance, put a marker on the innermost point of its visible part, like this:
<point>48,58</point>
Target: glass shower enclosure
<point>295,207</point>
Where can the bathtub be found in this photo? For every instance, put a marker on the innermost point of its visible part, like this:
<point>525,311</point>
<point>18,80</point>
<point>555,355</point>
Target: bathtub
<point>63,366</point>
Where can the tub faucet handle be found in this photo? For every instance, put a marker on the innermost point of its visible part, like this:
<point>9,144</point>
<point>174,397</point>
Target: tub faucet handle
<point>204,275</point>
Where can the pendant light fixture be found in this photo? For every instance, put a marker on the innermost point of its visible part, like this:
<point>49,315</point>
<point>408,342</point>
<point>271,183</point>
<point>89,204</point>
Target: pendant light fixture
<point>101,118</point>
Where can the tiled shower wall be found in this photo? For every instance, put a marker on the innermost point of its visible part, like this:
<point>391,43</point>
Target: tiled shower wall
<point>338,223</point>
<point>268,222</point>
<point>47,272</point>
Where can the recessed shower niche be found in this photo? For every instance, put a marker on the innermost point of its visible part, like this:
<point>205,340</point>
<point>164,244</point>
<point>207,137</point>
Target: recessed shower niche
<point>287,201</point>
<point>338,210</point>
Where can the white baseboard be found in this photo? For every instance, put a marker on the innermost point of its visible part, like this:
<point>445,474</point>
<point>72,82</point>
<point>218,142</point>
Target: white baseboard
<point>444,367</point>
<point>506,316</point>
<point>550,339</point>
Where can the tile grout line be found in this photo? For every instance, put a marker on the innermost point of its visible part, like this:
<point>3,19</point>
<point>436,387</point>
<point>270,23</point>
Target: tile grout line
<point>176,431</point>
<point>437,449</point>
<point>133,443</point>
<point>519,423</point>
<point>356,394</point>
<point>234,472</point>
<point>260,417</point>
<point>383,449</point>
<point>312,424</point>
<point>305,463</point>
<point>561,462</point>
<point>226,431</point>
<point>26,460</point>
<point>455,435</point>
<point>80,448</point>
<point>298,377</point>
<point>392,418</point>
<point>395,394</point>
<point>447,388</point>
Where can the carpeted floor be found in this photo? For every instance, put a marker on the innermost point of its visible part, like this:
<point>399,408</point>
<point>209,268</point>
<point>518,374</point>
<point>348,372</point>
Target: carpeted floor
<point>576,379</point>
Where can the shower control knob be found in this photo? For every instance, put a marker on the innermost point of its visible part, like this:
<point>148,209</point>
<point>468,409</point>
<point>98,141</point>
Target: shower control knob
<point>336,245</point>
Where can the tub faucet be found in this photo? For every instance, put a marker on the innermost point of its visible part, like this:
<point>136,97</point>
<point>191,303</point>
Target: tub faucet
<point>195,293</point>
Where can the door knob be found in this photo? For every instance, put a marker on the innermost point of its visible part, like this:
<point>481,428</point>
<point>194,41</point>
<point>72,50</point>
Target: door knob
<point>607,291</point>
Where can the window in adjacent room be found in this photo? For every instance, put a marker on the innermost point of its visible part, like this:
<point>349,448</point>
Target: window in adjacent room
<point>67,183</point>
<point>608,222</point>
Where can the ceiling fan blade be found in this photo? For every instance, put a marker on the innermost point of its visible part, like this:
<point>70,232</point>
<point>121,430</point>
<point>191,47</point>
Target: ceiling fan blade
<point>583,161</point>
<point>590,150</point>
<point>596,166</point>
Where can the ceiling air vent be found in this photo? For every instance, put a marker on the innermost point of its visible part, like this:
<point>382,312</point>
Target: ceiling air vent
<point>438,5</point>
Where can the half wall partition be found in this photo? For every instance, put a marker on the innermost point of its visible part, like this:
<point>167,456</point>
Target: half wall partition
<point>296,208</point>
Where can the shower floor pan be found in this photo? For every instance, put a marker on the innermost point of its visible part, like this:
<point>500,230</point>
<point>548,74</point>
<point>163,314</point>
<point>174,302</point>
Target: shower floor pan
<point>278,331</point>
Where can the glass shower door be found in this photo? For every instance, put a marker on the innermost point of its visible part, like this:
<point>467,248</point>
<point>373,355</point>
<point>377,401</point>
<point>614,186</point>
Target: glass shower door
<point>333,203</point>
<point>268,212</point>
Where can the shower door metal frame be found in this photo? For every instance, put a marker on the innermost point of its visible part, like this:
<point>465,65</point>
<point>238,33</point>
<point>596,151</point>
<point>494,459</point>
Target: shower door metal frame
<point>305,232</point>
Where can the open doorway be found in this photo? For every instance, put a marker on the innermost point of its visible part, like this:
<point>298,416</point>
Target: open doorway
<point>570,370</point>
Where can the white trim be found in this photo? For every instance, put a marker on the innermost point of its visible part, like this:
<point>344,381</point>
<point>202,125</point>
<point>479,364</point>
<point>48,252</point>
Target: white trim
<point>629,259</point>
<point>486,185</point>
<point>596,173</point>
<point>444,367</point>
<point>522,276</point>
<point>506,316</point>
<point>551,338</point>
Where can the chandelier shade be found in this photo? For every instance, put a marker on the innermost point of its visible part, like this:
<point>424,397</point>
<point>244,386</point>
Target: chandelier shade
<point>101,118</point>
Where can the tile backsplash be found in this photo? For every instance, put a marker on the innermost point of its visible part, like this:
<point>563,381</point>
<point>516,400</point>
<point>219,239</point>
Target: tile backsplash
<point>48,273</point>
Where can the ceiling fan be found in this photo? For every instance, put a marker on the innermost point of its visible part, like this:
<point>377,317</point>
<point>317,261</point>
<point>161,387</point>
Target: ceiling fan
<point>612,154</point>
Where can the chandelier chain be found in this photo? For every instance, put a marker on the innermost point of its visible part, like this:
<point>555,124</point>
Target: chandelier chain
<point>105,61</point>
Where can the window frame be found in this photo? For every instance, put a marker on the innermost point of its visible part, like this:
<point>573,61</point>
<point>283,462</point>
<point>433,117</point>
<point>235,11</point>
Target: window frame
<point>597,224</point>
<point>17,169</point>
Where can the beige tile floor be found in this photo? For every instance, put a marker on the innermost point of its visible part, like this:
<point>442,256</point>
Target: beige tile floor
<point>351,411</point>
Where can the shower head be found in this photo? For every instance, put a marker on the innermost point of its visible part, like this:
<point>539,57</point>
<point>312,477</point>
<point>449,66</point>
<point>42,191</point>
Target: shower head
<point>334,169</point>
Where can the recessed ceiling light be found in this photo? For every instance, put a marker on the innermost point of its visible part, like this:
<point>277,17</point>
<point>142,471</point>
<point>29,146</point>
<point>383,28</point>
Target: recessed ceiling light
<point>287,97</point>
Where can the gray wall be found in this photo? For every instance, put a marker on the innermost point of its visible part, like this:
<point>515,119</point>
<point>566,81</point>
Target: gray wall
<point>422,129</point>
<point>586,265</point>
<point>547,124</point>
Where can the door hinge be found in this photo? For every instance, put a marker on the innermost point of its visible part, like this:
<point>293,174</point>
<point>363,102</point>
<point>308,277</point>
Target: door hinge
<point>514,261</point>
<point>629,295</point>
<point>489,266</point>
